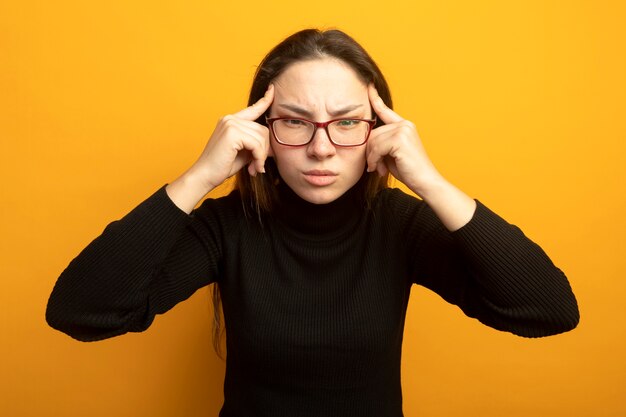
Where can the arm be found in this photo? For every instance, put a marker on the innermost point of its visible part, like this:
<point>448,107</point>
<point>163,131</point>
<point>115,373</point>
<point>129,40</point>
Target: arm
<point>465,252</point>
<point>157,255</point>
<point>493,272</point>
<point>140,266</point>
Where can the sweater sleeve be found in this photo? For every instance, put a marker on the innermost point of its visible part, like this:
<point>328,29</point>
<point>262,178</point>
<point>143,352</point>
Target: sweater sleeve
<point>493,272</point>
<point>140,266</point>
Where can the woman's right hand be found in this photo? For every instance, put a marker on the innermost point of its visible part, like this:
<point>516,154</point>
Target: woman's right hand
<point>237,141</point>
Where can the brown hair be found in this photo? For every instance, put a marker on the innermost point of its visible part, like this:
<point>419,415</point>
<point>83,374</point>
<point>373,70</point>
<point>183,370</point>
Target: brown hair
<point>258,193</point>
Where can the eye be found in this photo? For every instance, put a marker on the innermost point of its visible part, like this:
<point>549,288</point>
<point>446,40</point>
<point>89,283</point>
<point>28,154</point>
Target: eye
<point>293,123</point>
<point>348,123</point>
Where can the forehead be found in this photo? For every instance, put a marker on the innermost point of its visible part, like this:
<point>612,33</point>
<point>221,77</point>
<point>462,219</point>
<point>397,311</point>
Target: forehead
<point>320,84</point>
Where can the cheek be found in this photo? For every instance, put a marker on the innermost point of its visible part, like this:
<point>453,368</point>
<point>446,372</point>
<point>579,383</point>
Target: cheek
<point>285,159</point>
<point>359,157</point>
<point>355,160</point>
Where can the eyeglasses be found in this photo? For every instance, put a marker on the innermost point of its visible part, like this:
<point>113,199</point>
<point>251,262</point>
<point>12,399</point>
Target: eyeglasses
<point>293,131</point>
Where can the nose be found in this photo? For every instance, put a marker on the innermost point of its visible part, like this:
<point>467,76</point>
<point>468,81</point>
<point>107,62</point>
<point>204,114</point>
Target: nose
<point>321,147</point>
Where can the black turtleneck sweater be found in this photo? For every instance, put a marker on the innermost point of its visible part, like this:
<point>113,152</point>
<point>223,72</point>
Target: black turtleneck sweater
<point>314,296</point>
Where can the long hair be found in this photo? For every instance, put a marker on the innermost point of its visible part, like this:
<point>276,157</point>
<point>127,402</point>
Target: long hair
<point>258,193</point>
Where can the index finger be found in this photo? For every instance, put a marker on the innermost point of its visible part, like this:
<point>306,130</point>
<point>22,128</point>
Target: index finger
<point>257,109</point>
<point>380,108</point>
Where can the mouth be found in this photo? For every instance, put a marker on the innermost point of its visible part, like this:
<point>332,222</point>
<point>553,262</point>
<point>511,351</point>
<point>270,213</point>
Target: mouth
<point>320,178</point>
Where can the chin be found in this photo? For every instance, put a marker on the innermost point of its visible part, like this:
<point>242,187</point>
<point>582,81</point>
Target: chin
<point>319,196</point>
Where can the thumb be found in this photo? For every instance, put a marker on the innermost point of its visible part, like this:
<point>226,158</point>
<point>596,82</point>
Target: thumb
<point>380,108</point>
<point>257,109</point>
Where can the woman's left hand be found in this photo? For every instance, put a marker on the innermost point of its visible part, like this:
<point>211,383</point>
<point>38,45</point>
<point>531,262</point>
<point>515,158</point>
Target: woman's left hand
<point>397,148</point>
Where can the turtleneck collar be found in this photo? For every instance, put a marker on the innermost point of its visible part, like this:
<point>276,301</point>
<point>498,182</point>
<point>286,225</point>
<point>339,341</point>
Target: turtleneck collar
<point>320,220</point>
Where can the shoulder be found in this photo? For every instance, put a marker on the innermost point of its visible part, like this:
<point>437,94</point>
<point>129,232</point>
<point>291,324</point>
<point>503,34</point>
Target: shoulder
<point>230,200</point>
<point>397,202</point>
<point>223,210</point>
<point>407,214</point>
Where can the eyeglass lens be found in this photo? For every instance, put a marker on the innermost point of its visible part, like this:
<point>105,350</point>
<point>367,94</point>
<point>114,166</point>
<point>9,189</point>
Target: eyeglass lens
<point>342,132</point>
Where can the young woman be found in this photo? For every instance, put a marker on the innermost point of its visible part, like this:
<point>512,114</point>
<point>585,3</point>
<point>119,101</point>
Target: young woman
<point>312,254</point>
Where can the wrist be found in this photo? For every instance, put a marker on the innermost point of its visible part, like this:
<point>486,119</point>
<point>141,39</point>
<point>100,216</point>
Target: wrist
<point>453,207</point>
<point>187,190</point>
<point>429,186</point>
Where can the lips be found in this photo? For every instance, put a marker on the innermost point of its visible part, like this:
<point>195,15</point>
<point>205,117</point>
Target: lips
<point>320,172</point>
<point>320,177</point>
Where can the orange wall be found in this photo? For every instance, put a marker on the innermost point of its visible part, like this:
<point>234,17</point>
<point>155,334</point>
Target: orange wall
<point>521,104</point>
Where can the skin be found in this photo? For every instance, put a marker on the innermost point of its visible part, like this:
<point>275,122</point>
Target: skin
<point>320,90</point>
<point>321,87</point>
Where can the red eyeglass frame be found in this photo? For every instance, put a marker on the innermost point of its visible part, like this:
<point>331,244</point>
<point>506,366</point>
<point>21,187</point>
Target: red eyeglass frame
<point>270,123</point>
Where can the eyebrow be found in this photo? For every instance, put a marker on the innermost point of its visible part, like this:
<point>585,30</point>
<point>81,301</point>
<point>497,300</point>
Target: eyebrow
<point>304,112</point>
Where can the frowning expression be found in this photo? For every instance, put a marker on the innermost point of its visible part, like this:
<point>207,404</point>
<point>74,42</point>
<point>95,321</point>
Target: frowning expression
<point>320,90</point>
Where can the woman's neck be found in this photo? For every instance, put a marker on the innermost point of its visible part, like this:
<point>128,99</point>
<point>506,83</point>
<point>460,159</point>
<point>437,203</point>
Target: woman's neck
<point>320,219</point>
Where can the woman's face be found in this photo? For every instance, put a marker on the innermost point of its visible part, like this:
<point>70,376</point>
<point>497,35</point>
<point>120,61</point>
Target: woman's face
<point>320,90</point>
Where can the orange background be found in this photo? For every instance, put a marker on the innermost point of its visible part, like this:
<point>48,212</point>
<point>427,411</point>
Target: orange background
<point>521,104</point>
